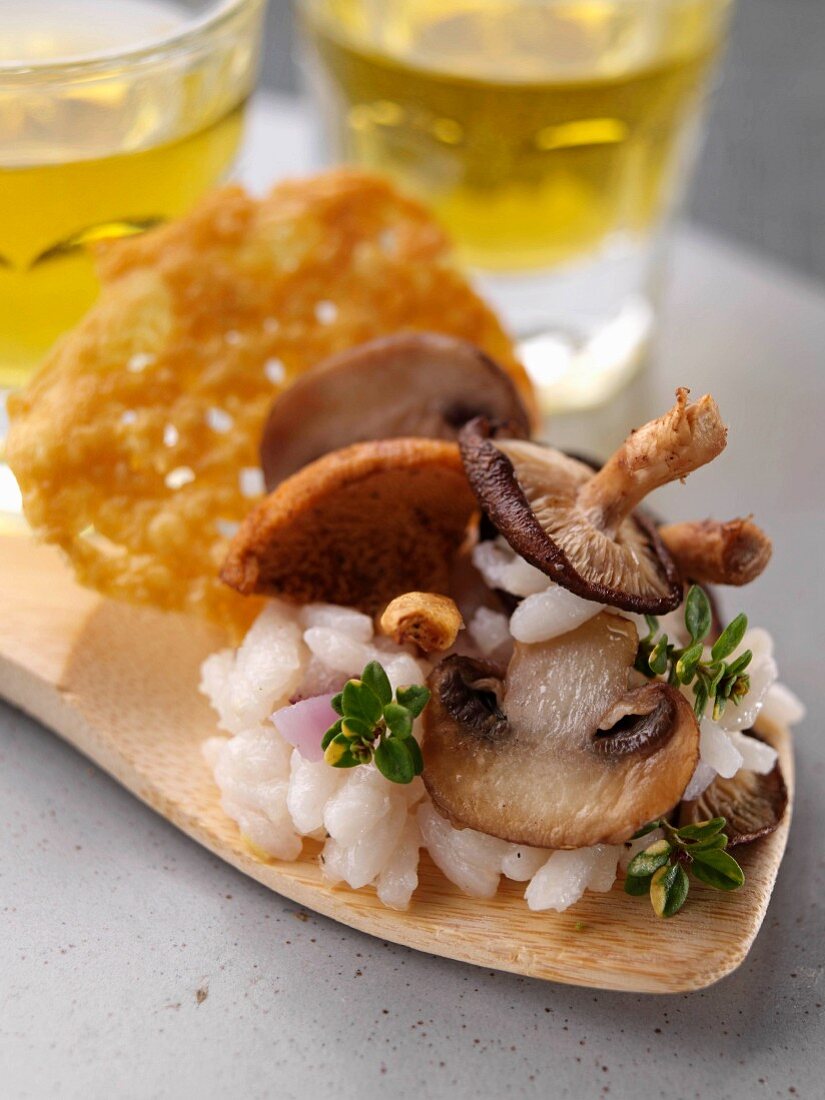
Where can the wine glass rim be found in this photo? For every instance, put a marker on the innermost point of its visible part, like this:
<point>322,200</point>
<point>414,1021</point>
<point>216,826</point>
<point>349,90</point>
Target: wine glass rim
<point>181,38</point>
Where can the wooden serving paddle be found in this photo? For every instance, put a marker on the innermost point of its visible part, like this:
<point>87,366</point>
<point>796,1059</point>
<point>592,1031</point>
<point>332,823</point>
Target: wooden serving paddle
<point>119,683</point>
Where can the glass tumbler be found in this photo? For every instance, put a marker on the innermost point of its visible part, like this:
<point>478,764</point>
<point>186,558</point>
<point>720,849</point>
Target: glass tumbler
<point>554,140</point>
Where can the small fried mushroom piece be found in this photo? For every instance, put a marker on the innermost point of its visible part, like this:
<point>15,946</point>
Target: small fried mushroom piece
<point>411,384</point>
<point>423,619</point>
<point>358,527</point>
<point>582,528</point>
<point>751,804</point>
<point>558,753</point>
<point>709,552</point>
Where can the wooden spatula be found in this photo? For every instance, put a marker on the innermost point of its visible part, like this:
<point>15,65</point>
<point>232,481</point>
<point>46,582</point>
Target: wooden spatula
<point>120,684</point>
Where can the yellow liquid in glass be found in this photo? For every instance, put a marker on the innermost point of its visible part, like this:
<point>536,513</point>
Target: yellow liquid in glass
<point>534,129</point>
<point>80,162</point>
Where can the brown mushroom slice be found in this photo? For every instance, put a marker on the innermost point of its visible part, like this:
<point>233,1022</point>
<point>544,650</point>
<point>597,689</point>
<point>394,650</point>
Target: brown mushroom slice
<point>709,552</point>
<point>559,754</point>
<point>751,804</point>
<point>358,527</point>
<point>582,528</point>
<point>412,384</point>
<point>427,620</point>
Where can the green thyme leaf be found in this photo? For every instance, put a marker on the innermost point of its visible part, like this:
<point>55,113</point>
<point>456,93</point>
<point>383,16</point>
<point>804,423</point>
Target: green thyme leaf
<point>645,829</point>
<point>718,841</point>
<point>686,665</point>
<point>698,614</point>
<point>333,731</point>
<point>636,887</point>
<point>653,857</point>
<point>414,749</point>
<point>360,701</point>
<point>399,720</point>
<point>337,703</point>
<point>658,658</point>
<point>700,699</point>
<point>740,664</point>
<point>702,829</point>
<point>356,729</point>
<point>377,680</point>
<point>414,698</point>
<point>339,754</point>
<point>394,760</point>
<point>718,869</point>
<point>652,626</point>
<point>669,890</point>
<point>730,637</point>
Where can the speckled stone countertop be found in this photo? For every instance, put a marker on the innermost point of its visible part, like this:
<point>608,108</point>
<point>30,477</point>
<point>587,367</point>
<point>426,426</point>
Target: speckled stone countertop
<point>135,964</point>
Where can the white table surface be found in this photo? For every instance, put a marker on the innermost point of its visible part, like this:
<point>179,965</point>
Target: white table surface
<point>135,964</point>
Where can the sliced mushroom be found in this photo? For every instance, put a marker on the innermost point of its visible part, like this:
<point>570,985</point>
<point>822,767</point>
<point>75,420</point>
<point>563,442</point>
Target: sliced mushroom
<point>358,527</point>
<point>412,384</point>
<point>559,753</point>
<point>751,804</point>
<point>580,527</point>
<point>423,619</point>
<point>710,552</point>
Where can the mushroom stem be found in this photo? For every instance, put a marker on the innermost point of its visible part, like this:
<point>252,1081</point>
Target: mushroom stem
<point>710,552</point>
<point>670,447</point>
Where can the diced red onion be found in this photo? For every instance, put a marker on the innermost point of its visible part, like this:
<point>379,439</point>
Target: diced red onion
<point>304,724</point>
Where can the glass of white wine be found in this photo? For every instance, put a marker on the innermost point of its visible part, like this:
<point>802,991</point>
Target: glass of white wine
<point>115,115</point>
<point>553,138</point>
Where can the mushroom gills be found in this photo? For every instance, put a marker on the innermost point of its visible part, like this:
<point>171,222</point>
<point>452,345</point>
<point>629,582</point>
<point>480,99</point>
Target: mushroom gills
<point>583,528</point>
<point>752,804</point>
<point>558,754</point>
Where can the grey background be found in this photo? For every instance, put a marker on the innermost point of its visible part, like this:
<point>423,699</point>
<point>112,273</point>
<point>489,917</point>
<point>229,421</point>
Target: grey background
<point>761,178</point>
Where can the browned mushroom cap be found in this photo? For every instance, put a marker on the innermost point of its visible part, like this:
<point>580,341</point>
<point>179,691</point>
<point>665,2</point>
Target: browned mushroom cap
<point>709,552</point>
<point>559,754</point>
<point>580,527</point>
<point>358,527</point>
<point>412,384</point>
<point>751,804</point>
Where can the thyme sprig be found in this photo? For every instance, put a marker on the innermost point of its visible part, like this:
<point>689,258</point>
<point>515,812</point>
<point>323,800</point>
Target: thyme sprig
<point>376,726</point>
<point>713,679</point>
<point>661,869</point>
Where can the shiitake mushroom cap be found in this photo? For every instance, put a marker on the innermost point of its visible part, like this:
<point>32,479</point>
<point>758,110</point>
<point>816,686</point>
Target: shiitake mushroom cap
<point>529,492</point>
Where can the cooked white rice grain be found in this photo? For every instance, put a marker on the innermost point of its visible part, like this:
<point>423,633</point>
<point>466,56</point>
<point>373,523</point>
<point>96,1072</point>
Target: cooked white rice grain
<point>762,672</point>
<point>521,863</point>
<point>566,875</point>
<point>360,863</point>
<point>490,632</point>
<point>782,706</point>
<point>311,786</point>
<point>338,651</point>
<point>398,880</point>
<point>717,750</point>
<point>548,614</point>
<point>701,779</point>
<point>501,567</point>
<point>252,774</point>
<point>357,805</point>
<point>344,620</point>
<point>756,755</point>
<point>469,859</point>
